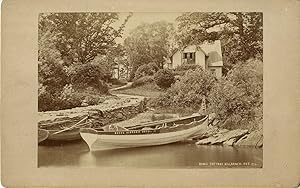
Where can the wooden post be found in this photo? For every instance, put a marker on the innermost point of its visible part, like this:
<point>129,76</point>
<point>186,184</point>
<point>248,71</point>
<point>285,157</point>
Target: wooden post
<point>203,107</point>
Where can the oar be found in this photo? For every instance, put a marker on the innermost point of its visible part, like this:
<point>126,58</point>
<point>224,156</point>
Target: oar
<point>71,126</point>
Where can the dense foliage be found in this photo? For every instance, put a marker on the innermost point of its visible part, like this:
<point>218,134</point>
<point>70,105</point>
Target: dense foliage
<point>238,98</point>
<point>77,53</point>
<point>189,91</point>
<point>89,75</point>
<point>164,78</point>
<point>66,98</point>
<point>146,70</point>
<point>181,70</point>
<point>149,43</point>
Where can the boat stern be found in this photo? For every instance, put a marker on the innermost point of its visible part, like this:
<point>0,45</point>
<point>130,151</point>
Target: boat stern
<point>89,136</point>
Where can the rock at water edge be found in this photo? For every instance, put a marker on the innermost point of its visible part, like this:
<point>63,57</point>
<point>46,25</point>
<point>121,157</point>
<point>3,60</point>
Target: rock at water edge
<point>255,138</point>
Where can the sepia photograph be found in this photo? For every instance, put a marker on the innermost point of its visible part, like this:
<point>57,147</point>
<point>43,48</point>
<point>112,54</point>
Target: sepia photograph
<point>135,93</point>
<point>150,90</point>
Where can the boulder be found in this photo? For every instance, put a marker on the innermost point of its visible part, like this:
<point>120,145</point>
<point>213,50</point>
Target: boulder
<point>224,136</point>
<point>206,141</point>
<point>236,134</point>
<point>119,116</point>
<point>255,138</point>
<point>205,133</point>
<point>230,142</point>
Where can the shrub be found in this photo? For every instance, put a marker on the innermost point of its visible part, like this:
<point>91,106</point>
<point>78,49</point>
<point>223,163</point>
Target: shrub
<point>69,98</point>
<point>164,78</point>
<point>181,70</point>
<point>146,70</point>
<point>237,99</point>
<point>142,81</point>
<point>45,99</point>
<point>52,76</point>
<point>89,75</point>
<point>65,99</point>
<point>188,92</point>
<point>185,67</point>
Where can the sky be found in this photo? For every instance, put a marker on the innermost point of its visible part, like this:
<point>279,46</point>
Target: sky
<point>139,18</point>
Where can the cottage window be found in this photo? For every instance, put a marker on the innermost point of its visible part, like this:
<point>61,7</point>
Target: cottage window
<point>191,55</point>
<point>185,55</point>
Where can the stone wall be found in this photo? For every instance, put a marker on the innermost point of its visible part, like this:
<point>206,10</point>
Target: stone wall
<point>111,111</point>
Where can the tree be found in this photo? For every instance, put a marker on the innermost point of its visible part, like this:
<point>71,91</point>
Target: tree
<point>51,74</point>
<point>241,33</point>
<point>80,37</point>
<point>148,43</point>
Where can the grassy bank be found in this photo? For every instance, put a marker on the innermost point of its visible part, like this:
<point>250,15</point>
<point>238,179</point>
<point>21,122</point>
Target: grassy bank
<point>149,90</point>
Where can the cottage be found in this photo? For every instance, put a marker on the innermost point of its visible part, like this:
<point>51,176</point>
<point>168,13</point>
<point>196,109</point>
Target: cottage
<point>207,55</point>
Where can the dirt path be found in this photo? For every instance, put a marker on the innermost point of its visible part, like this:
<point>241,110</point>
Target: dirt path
<point>128,85</point>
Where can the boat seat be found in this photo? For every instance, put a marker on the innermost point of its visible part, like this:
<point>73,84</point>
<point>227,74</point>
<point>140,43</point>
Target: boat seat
<point>113,128</point>
<point>147,128</point>
<point>175,125</point>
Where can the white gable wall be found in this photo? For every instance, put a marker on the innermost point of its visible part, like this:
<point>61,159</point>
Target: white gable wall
<point>176,59</point>
<point>200,59</point>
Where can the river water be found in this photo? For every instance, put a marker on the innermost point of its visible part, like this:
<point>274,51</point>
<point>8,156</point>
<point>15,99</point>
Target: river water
<point>177,155</point>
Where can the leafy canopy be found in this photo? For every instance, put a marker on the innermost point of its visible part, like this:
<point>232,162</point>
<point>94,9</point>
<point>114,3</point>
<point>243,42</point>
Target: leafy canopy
<point>80,37</point>
<point>149,43</point>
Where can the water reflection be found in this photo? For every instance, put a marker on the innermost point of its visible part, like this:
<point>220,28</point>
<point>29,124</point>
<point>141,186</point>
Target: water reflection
<point>177,155</point>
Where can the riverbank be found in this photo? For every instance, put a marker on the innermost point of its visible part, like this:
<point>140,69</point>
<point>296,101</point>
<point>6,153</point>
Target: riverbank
<point>238,137</point>
<point>147,90</point>
<point>127,110</point>
<point>210,135</point>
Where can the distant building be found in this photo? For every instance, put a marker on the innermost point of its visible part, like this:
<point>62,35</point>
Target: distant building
<point>208,56</point>
<point>120,72</point>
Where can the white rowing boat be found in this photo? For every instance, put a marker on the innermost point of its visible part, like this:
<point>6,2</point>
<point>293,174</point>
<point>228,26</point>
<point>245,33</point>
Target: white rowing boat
<point>158,133</point>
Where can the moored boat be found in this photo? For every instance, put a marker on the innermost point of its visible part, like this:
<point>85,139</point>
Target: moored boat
<point>65,130</point>
<point>42,135</point>
<point>151,134</point>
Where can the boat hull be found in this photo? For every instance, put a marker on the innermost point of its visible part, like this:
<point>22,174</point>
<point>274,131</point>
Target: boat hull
<point>104,142</point>
<point>42,135</point>
<point>68,135</point>
<point>64,130</point>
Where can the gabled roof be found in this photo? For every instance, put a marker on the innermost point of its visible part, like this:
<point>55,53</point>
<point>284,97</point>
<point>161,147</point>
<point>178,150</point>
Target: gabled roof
<point>212,50</point>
